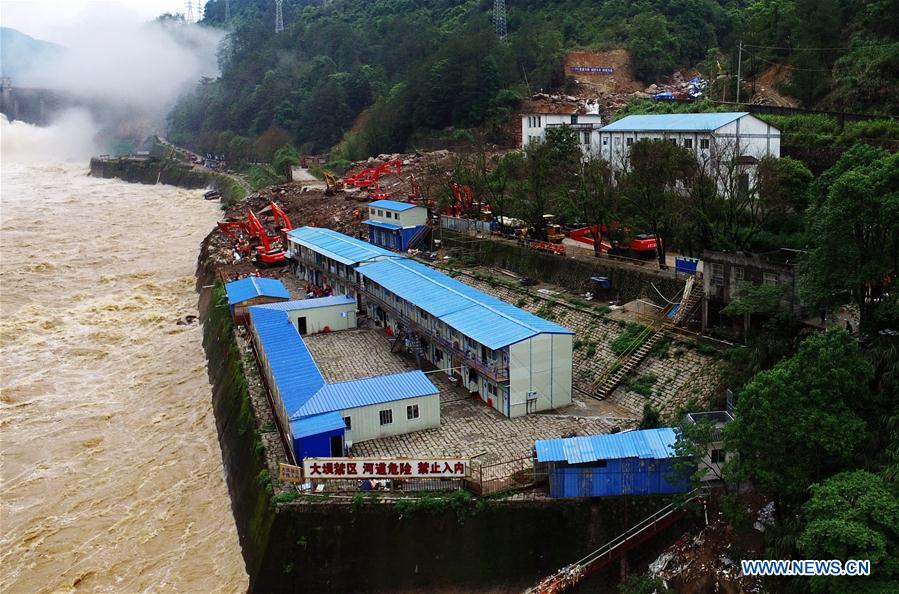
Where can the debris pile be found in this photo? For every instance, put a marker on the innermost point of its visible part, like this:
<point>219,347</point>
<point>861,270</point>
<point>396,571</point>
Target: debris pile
<point>707,562</point>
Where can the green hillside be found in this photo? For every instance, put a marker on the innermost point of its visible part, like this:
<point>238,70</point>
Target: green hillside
<point>412,66</point>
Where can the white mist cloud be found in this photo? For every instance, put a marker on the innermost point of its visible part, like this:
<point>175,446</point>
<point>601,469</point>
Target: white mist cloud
<point>69,138</point>
<point>144,65</point>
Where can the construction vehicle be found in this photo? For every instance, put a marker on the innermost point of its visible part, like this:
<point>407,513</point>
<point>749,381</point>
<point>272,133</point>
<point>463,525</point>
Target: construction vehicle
<point>642,246</point>
<point>332,184</point>
<point>370,175</point>
<point>251,237</point>
<point>464,204</point>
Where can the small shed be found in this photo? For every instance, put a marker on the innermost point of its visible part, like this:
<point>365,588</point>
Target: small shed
<point>318,436</point>
<point>253,290</point>
<point>322,314</point>
<point>630,463</point>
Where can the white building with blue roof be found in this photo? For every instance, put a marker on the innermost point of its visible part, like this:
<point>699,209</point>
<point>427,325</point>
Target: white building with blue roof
<point>320,419</point>
<point>395,225</point>
<point>517,362</point>
<point>326,259</point>
<point>713,138</point>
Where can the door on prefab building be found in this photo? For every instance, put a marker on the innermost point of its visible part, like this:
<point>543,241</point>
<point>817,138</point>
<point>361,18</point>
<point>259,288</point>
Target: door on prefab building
<point>337,446</point>
<point>301,325</point>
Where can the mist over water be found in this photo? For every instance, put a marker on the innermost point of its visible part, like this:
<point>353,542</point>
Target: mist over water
<point>111,477</point>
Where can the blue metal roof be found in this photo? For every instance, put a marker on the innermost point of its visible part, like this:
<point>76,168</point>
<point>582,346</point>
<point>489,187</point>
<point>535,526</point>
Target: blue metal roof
<point>366,391</point>
<point>381,224</point>
<point>392,205</point>
<point>654,444</point>
<point>316,424</point>
<point>340,247</point>
<point>482,317</point>
<point>291,364</point>
<point>298,304</point>
<point>674,122</point>
<point>253,286</point>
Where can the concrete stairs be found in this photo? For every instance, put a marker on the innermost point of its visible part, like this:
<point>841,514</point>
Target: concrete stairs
<point>626,362</point>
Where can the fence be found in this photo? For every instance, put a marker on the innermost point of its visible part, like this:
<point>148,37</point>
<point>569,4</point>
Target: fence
<point>390,485</point>
<point>503,476</point>
<point>460,225</point>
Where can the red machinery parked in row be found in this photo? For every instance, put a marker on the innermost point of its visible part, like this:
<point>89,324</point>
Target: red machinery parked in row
<point>367,179</point>
<point>251,236</point>
<point>641,246</point>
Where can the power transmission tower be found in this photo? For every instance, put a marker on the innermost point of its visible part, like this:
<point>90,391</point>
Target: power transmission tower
<point>189,17</point>
<point>199,10</point>
<point>279,16</point>
<point>227,10</point>
<point>499,18</point>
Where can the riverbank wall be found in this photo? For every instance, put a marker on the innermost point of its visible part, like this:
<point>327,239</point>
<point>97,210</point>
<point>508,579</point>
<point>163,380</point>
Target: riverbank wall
<point>150,170</point>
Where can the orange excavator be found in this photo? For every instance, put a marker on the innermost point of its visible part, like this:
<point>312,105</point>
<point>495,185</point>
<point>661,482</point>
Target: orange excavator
<point>464,204</point>
<point>251,236</point>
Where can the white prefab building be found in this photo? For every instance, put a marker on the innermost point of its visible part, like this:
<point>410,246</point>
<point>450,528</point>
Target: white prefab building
<point>709,136</point>
<point>327,259</point>
<point>395,225</point>
<point>324,314</point>
<point>518,363</point>
<point>319,418</point>
<point>585,126</point>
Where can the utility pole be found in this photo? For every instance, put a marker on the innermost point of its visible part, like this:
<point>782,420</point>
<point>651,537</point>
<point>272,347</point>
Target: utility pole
<point>739,69</point>
<point>189,17</point>
<point>279,16</point>
<point>499,18</point>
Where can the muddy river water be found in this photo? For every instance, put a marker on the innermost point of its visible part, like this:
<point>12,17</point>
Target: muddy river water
<point>112,477</point>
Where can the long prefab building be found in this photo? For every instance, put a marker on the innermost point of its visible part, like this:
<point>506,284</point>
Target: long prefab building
<point>517,362</point>
<point>322,419</point>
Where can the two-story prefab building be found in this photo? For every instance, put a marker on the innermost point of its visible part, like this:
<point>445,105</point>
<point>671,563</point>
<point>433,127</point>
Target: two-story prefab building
<point>517,362</point>
<point>586,126</point>
<point>395,225</point>
<point>711,137</point>
<point>327,259</point>
<point>321,419</point>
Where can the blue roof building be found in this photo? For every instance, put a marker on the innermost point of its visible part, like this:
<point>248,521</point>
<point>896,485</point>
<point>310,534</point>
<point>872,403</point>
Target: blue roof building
<point>516,361</point>
<point>253,290</point>
<point>326,260</point>
<point>629,463</point>
<point>308,407</point>
<point>394,225</point>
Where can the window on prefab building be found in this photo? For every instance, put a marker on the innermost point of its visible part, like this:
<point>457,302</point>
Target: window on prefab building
<point>348,422</point>
<point>380,213</point>
<point>539,121</point>
<point>386,416</point>
<point>703,143</point>
<point>412,411</point>
<point>371,211</point>
<point>769,278</point>
<point>586,136</point>
<point>629,141</point>
<point>574,118</point>
<point>617,141</point>
<point>717,274</point>
<point>673,141</point>
<point>717,456</point>
<point>688,143</point>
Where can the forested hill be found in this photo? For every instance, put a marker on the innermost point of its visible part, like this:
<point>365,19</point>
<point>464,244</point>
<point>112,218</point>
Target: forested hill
<point>371,74</point>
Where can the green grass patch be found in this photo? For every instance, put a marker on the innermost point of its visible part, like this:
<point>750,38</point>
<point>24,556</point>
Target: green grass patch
<point>642,384</point>
<point>631,338</point>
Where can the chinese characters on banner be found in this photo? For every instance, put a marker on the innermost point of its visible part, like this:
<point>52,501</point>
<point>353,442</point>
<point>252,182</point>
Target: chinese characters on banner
<point>352,468</point>
<point>593,69</point>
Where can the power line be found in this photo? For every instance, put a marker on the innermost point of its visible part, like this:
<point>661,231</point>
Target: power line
<point>787,65</point>
<point>818,49</point>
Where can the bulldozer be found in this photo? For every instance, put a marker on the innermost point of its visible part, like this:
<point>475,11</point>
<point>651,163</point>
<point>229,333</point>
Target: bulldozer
<point>333,185</point>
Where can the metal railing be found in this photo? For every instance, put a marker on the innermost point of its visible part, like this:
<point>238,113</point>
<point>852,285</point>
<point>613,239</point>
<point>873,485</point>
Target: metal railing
<point>506,475</point>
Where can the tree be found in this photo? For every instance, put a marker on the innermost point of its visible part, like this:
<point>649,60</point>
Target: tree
<point>692,450</point>
<point>550,172</point>
<point>751,299</point>
<point>856,234</point>
<point>653,186</point>
<point>595,200</point>
<point>853,515</point>
<point>285,158</point>
<point>796,423</point>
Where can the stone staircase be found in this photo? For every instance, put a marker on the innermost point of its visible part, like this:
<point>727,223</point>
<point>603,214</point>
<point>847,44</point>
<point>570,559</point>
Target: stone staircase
<point>625,363</point>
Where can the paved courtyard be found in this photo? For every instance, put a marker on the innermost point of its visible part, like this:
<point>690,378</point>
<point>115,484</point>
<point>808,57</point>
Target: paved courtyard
<point>468,427</point>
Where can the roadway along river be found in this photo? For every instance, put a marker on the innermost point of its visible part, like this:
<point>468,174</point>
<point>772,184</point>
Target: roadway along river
<point>112,476</point>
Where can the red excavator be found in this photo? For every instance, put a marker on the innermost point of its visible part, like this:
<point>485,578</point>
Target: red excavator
<point>465,205</point>
<point>252,236</point>
<point>370,175</point>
